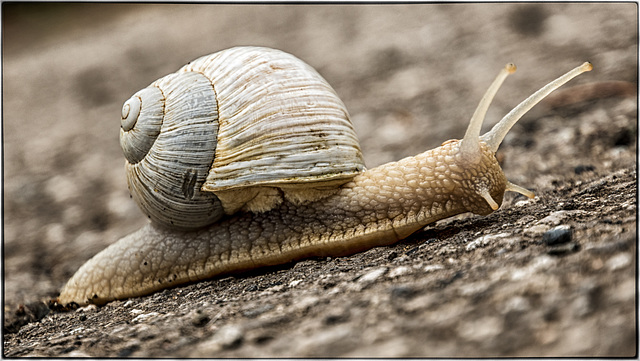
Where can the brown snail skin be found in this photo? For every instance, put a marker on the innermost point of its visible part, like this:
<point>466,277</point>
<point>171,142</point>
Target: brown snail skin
<point>370,208</point>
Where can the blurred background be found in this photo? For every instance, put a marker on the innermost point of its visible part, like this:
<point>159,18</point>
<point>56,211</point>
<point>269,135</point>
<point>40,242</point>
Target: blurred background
<point>410,75</point>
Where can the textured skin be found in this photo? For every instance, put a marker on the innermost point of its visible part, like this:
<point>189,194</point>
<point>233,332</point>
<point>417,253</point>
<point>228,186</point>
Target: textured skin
<point>379,207</point>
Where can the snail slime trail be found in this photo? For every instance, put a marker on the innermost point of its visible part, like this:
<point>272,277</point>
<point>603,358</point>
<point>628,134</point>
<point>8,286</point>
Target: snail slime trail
<point>221,159</point>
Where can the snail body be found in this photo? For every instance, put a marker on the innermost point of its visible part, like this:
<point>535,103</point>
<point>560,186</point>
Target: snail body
<point>283,181</point>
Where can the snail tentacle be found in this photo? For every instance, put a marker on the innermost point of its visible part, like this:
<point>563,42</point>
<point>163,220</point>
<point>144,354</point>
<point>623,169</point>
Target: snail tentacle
<point>494,137</point>
<point>470,146</point>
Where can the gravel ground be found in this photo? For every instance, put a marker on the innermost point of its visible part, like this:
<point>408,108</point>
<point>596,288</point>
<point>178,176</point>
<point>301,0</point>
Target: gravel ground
<point>411,76</point>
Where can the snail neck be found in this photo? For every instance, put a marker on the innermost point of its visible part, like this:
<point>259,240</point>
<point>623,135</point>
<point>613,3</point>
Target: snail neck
<point>408,194</point>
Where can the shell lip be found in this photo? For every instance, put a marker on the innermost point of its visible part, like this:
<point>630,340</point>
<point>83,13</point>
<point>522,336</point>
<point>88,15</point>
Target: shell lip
<point>329,179</point>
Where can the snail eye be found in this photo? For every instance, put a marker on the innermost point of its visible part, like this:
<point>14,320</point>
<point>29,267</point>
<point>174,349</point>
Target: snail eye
<point>130,113</point>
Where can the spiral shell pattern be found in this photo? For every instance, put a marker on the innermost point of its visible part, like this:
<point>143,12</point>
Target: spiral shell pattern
<point>243,118</point>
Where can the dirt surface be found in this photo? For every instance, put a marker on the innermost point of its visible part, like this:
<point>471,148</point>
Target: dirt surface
<point>411,77</point>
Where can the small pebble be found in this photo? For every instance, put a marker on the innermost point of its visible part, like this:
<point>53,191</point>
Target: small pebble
<point>251,288</point>
<point>257,311</point>
<point>77,354</point>
<point>485,240</point>
<point>535,231</point>
<point>474,289</point>
<point>305,303</point>
<point>517,304</point>
<point>420,302</point>
<point>371,276</point>
<point>294,283</point>
<point>199,318</point>
<point>87,309</point>
<point>227,337</point>
<point>539,264</point>
<point>402,292</point>
<point>558,235</point>
<point>129,349</point>
<point>480,330</point>
<point>432,267</point>
<point>613,245</point>
<point>563,249</point>
<point>399,271</point>
<point>524,202</point>
<point>76,330</point>
<point>618,261</point>
<point>336,317</point>
<point>144,317</point>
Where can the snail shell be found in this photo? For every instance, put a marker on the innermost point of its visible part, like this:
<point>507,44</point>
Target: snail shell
<point>241,129</point>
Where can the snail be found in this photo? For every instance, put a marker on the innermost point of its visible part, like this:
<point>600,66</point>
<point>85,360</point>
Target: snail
<point>247,158</point>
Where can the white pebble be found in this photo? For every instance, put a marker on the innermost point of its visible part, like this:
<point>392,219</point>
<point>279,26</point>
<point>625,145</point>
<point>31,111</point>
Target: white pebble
<point>485,240</point>
<point>305,303</point>
<point>77,354</point>
<point>618,261</point>
<point>294,283</point>
<point>372,275</point>
<point>433,267</point>
<point>399,271</point>
<point>145,317</point>
<point>88,308</point>
<point>76,330</point>
<point>481,330</point>
<point>517,303</point>
<point>523,203</point>
<point>537,265</point>
<point>543,262</point>
<point>226,337</point>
